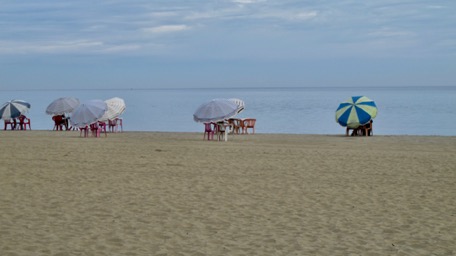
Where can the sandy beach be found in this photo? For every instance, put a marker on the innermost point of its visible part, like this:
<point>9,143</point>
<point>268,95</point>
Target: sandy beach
<point>151,193</point>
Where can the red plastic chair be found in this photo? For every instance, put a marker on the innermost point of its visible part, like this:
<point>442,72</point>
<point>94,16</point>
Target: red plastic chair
<point>114,124</point>
<point>209,129</point>
<point>236,125</point>
<point>95,129</point>
<point>84,129</point>
<point>23,122</point>
<point>102,127</point>
<point>119,123</point>
<point>248,123</point>
<point>11,122</point>
<point>58,123</point>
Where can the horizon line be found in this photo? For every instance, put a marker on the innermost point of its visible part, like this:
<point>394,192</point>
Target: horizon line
<point>229,88</point>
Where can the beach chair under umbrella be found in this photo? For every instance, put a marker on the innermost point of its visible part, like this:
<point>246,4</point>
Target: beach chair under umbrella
<point>216,110</point>
<point>355,112</point>
<point>13,109</point>
<point>61,106</point>
<point>88,112</point>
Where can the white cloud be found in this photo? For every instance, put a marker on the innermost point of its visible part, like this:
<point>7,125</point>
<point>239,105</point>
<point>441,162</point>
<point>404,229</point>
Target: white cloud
<point>166,28</point>
<point>289,15</point>
<point>49,47</point>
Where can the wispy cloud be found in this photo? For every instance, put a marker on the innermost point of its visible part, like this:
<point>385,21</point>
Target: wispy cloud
<point>166,28</point>
<point>11,47</point>
<point>119,26</point>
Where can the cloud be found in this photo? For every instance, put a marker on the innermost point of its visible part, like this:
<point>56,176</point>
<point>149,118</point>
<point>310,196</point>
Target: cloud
<point>288,15</point>
<point>166,28</point>
<point>7,47</point>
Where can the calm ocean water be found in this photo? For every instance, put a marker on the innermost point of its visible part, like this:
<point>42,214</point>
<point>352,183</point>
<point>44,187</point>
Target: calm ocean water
<point>408,110</point>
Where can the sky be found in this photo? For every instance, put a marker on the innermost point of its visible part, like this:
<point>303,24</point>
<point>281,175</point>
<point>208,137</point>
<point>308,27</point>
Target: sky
<point>140,44</point>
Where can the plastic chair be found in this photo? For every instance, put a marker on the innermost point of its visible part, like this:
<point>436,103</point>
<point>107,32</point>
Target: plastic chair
<point>102,127</point>
<point>23,122</point>
<point>221,131</point>
<point>58,123</point>
<point>11,122</point>
<point>236,125</point>
<point>114,124</point>
<point>248,123</point>
<point>96,129</point>
<point>119,122</point>
<point>367,129</point>
<point>84,129</point>
<point>209,129</point>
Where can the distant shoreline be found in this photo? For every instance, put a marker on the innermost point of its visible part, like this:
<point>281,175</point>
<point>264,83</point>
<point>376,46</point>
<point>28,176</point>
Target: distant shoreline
<point>236,88</point>
<point>236,135</point>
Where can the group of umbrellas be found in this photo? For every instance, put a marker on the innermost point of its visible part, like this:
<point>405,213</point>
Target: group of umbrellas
<point>89,112</point>
<point>355,112</point>
<point>82,114</point>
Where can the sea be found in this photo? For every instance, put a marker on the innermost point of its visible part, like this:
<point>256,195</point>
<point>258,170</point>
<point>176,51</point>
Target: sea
<point>304,110</point>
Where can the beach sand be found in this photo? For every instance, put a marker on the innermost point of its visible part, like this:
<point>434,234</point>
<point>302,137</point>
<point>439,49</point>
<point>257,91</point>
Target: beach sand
<point>151,193</point>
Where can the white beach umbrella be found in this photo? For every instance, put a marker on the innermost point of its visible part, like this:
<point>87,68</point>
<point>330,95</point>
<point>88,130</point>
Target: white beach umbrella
<point>88,113</point>
<point>13,109</point>
<point>64,105</point>
<point>116,106</point>
<point>215,110</point>
<point>240,103</point>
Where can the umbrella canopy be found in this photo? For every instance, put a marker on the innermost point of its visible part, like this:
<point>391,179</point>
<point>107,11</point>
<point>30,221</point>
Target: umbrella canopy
<point>116,106</point>
<point>215,110</point>
<point>88,113</point>
<point>239,103</point>
<point>13,109</point>
<point>62,106</point>
<point>356,111</point>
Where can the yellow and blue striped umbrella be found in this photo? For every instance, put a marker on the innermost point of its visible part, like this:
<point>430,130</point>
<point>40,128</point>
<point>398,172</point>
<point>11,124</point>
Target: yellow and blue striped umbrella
<point>356,111</point>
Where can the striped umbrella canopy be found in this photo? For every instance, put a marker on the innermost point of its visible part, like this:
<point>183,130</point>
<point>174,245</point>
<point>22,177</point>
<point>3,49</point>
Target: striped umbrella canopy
<point>13,109</point>
<point>215,110</point>
<point>116,107</point>
<point>88,113</point>
<point>239,103</point>
<point>356,111</point>
<point>64,105</point>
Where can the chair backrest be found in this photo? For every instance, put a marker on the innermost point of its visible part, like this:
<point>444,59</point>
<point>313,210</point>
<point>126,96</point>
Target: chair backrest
<point>22,118</point>
<point>220,127</point>
<point>208,127</point>
<point>57,119</point>
<point>112,122</point>
<point>235,121</point>
<point>94,126</point>
<point>249,122</point>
